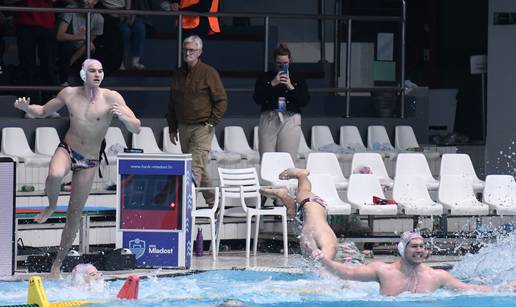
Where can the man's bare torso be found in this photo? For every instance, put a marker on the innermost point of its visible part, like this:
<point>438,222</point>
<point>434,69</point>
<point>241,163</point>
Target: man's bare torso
<point>88,121</point>
<point>394,281</point>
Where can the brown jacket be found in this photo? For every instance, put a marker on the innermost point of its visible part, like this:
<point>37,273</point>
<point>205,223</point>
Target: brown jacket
<point>197,96</point>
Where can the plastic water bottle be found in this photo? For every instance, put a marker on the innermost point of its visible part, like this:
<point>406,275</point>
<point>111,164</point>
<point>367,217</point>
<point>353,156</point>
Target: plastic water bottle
<point>282,105</point>
<point>199,243</point>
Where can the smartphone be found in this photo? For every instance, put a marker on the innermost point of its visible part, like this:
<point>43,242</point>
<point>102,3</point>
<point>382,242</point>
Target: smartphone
<point>283,69</point>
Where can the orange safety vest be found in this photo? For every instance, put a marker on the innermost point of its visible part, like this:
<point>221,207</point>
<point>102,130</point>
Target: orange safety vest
<point>191,22</point>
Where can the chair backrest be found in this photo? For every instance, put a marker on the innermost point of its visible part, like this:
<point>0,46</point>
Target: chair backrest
<point>146,141</point>
<point>372,160</point>
<point>167,144</point>
<point>321,135</point>
<point>325,163</point>
<point>256,138</point>
<point>377,136</point>
<point>457,164</point>
<point>350,136</point>
<point>404,138</point>
<point>231,181</point>
<point>413,164</point>
<point>409,188</point>
<point>321,188</point>
<point>454,189</point>
<point>235,140</point>
<point>273,163</point>
<point>215,146</point>
<point>114,136</point>
<point>303,149</point>
<point>14,142</point>
<point>362,188</point>
<point>500,190</point>
<point>46,141</point>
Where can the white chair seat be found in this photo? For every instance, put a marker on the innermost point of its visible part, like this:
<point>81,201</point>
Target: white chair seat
<point>46,141</point>
<point>328,193</point>
<point>415,164</point>
<point>327,163</point>
<point>115,143</point>
<point>168,146</point>
<point>500,194</point>
<point>458,198</point>
<point>146,141</point>
<point>235,140</point>
<point>273,163</point>
<point>421,207</point>
<point>361,189</point>
<point>14,143</point>
<point>208,213</point>
<point>460,165</point>
<point>375,163</point>
<point>412,196</point>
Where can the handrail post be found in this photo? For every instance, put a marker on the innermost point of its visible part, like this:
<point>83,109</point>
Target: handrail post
<point>266,45</point>
<point>179,40</point>
<point>88,35</point>
<point>348,68</point>
<point>336,48</point>
<point>402,51</point>
<point>322,34</point>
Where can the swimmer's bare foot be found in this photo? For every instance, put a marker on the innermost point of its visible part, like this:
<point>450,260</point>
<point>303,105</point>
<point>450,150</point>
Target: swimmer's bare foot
<point>43,216</point>
<point>293,173</point>
<point>282,194</point>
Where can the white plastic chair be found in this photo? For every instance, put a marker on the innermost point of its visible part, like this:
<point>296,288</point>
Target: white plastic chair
<point>272,164</point>
<point>378,139</point>
<point>114,139</point>
<point>500,194</point>
<point>375,163</point>
<point>236,141</point>
<point>303,150</point>
<point>208,213</point>
<point>14,143</point>
<point>328,192</point>
<point>243,185</point>
<point>415,164</point>
<point>321,136</point>
<point>167,144</point>
<point>458,198</point>
<point>412,196</point>
<point>350,138</point>
<point>327,163</point>
<point>405,139</point>
<point>46,141</point>
<point>221,156</point>
<point>256,139</point>
<point>361,189</point>
<point>146,141</point>
<point>461,165</point>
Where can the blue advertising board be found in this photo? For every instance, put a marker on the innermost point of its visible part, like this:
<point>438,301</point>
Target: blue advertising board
<point>153,248</point>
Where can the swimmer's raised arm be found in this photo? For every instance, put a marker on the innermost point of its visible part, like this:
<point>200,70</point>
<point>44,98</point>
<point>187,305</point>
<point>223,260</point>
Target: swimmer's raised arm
<point>352,272</point>
<point>23,103</point>
<point>124,113</point>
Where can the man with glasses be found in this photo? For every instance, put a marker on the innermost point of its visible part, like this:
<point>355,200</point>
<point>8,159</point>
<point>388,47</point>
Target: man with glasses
<point>197,103</point>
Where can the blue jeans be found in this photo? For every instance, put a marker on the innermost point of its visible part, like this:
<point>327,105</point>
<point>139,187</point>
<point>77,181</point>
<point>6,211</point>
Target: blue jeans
<point>133,36</point>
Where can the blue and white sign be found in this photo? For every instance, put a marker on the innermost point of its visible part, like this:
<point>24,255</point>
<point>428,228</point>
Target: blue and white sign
<point>153,249</point>
<point>151,167</point>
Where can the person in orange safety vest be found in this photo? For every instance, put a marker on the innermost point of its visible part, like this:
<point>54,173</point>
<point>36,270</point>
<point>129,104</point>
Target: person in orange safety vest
<point>196,24</point>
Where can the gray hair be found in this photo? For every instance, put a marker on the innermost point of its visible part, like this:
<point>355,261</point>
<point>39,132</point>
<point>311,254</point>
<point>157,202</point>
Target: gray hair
<point>194,39</point>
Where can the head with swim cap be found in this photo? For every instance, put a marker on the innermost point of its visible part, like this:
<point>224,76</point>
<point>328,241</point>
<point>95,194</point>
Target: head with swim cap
<point>406,237</point>
<point>85,274</point>
<point>92,72</point>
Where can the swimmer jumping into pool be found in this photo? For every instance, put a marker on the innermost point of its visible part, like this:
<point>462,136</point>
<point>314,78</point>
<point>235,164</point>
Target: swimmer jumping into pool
<point>409,274</point>
<point>91,110</point>
<point>309,210</point>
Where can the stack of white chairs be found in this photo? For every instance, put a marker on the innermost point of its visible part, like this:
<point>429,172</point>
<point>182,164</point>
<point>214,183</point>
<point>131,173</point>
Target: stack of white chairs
<point>236,141</point>
<point>415,164</point>
<point>461,165</point>
<point>146,141</point>
<point>328,192</point>
<point>405,141</point>
<point>168,146</point>
<point>374,162</point>
<point>327,163</point>
<point>500,194</point>
<point>243,185</point>
<point>32,167</point>
<point>273,163</point>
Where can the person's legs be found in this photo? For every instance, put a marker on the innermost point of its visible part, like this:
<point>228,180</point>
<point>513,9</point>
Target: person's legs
<point>137,42</point>
<point>289,135</point>
<point>282,194</point>
<point>58,168</point>
<point>82,181</point>
<point>268,128</point>
<point>126,40</point>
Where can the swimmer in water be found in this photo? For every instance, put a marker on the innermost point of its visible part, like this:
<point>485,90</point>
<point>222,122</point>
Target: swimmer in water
<point>409,274</point>
<point>86,274</point>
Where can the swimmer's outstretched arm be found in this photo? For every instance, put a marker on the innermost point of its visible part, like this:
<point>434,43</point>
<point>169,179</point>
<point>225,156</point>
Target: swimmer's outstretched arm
<point>124,113</point>
<point>450,282</point>
<point>350,272</point>
<point>23,103</point>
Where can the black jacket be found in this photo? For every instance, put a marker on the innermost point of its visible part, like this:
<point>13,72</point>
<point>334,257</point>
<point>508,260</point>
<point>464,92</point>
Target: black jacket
<point>267,95</point>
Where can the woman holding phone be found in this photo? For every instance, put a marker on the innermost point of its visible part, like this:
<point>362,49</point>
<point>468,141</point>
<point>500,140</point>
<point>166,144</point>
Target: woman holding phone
<point>281,93</point>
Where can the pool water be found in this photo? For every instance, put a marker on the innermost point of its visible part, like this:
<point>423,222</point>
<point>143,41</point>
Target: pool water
<point>493,265</point>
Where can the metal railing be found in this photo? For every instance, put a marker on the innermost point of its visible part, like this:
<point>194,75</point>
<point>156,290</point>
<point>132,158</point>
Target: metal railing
<point>337,18</point>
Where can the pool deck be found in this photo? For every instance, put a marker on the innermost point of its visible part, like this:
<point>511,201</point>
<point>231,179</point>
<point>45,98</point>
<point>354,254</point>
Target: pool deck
<point>236,260</point>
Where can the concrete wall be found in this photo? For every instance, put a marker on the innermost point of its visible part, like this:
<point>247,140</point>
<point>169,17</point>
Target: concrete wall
<point>501,92</point>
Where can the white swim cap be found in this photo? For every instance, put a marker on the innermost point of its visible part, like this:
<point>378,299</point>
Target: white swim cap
<point>406,237</point>
<point>85,66</point>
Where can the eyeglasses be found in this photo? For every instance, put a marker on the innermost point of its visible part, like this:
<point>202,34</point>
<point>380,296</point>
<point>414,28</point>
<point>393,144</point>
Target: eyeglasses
<point>186,50</point>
